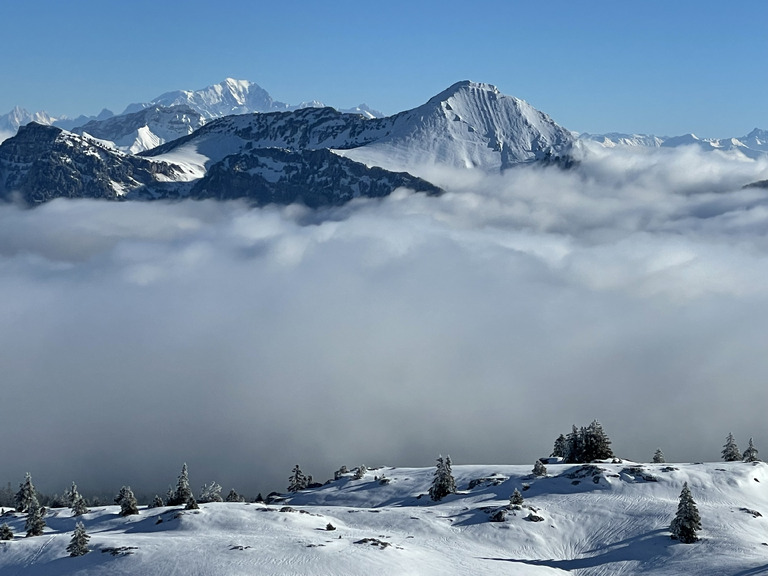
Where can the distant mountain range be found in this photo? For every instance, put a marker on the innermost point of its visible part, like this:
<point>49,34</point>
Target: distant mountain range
<point>232,140</point>
<point>753,145</point>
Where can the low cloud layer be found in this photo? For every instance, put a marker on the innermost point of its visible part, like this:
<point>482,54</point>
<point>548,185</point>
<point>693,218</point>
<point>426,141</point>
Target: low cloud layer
<point>482,324</point>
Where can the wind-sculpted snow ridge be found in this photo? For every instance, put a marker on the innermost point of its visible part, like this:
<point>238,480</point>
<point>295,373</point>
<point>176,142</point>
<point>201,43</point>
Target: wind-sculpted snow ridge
<point>591,519</point>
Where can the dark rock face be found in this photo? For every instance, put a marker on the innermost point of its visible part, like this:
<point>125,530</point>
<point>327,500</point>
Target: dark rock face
<point>313,177</point>
<point>43,162</point>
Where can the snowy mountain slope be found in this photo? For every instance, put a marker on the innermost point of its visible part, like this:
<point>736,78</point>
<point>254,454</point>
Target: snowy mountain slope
<point>469,125</point>
<point>43,162</point>
<point>144,129</point>
<point>594,520</point>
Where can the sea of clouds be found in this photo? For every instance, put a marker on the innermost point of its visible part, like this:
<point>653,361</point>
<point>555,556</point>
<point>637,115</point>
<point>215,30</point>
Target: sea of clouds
<point>482,323</point>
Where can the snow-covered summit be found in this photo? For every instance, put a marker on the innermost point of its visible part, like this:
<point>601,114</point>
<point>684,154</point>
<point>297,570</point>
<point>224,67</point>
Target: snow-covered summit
<point>228,97</point>
<point>468,125</point>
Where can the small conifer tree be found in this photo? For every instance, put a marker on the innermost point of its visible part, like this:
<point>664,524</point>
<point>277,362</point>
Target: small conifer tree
<point>443,482</point>
<point>210,493</point>
<point>687,520</point>
<point>234,496</point>
<point>157,502</point>
<point>360,472</point>
<point>539,469</point>
<point>5,532</point>
<point>78,546</point>
<point>658,457</point>
<point>70,494</point>
<point>730,450</point>
<point>78,506</point>
<point>516,499</point>
<point>26,494</point>
<point>191,504</point>
<point>297,481</point>
<point>127,502</point>
<point>35,522</point>
<point>183,491</point>
<point>750,454</point>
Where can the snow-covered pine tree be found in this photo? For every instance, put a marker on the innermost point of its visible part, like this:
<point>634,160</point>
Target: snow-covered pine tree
<point>78,506</point>
<point>234,496</point>
<point>26,494</point>
<point>658,457</point>
<point>183,492</point>
<point>360,472</point>
<point>35,522</point>
<point>539,469</point>
<point>687,520</point>
<point>443,483</point>
<point>70,494</point>
<point>560,449</point>
<point>730,450</point>
<point>297,481</point>
<point>210,493</point>
<point>157,502</point>
<point>596,444</point>
<point>516,499</point>
<point>574,451</point>
<point>191,504</point>
<point>5,532</point>
<point>78,546</point>
<point>750,454</point>
<point>127,502</point>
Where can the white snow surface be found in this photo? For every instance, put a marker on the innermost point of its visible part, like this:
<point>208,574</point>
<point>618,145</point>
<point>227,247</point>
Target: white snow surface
<point>612,519</point>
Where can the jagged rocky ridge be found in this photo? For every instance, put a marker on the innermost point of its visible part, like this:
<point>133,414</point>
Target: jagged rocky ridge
<point>318,156</point>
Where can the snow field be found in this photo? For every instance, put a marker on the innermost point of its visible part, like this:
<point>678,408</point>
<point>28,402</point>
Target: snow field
<point>604,519</point>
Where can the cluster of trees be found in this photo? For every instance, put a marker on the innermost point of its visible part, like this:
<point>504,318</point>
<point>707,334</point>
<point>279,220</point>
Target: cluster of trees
<point>731,451</point>
<point>583,444</point>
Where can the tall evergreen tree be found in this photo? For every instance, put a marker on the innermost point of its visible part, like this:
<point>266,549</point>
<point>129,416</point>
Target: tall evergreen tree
<point>595,442</point>
<point>70,494</point>
<point>560,449</point>
<point>35,522</point>
<point>127,502</point>
<point>78,546</point>
<point>297,481</point>
<point>574,452</point>
<point>730,450</point>
<point>658,457</point>
<point>443,482</point>
<point>79,507</point>
<point>687,520</point>
<point>183,492</point>
<point>750,454</point>
<point>26,494</point>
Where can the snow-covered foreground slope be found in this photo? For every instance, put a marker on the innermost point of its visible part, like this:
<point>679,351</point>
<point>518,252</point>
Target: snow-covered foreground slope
<point>603,519</point>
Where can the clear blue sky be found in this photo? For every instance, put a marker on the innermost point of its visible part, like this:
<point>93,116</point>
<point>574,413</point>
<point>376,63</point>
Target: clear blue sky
<point>663,67</point>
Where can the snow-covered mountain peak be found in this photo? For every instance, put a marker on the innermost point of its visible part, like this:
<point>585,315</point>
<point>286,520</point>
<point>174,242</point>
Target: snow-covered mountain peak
<point>468,125</point>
